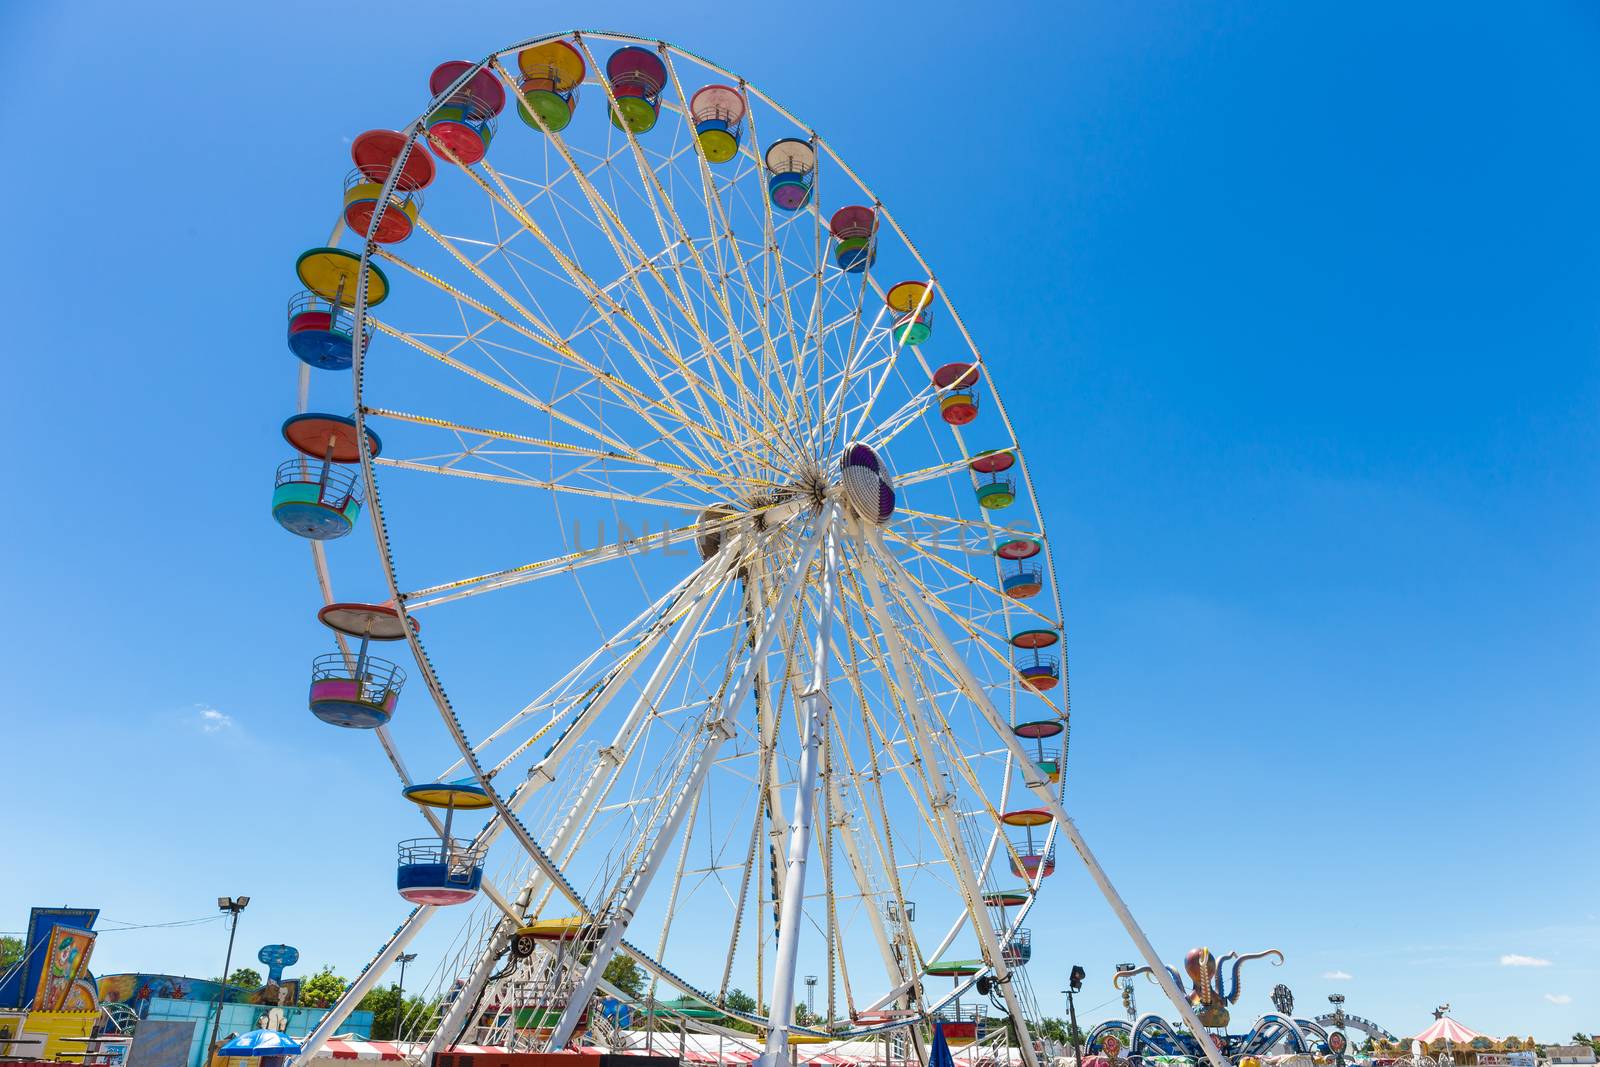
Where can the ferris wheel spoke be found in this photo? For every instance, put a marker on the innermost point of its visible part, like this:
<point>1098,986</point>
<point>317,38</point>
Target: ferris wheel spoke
<point>966,578</point>
<point>526,482</point>
<point>779,411</point>
<point>616,229</point>
<point>775,282</point>
<point>853,855</point>
<point>688,476</point>
<point>515,392</point>
<point>956,672</point>
<point>662,202</point>
<point>605,772</point>
<point>603,303</point>
<point>609,307</point>
<point>504,578</point>
<point>647,408</point>
<point>825,431</point>
<point>683,602</point>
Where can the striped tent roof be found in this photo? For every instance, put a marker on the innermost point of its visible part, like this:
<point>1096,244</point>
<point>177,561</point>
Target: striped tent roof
<point>1447,1029</point>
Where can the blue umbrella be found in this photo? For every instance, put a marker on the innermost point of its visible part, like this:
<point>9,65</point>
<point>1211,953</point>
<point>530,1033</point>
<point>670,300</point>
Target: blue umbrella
<point>939,1055</point>
<point>261,1043</point>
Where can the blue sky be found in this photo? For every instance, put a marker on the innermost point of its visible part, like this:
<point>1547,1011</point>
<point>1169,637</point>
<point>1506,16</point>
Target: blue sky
<point>1297,310</point>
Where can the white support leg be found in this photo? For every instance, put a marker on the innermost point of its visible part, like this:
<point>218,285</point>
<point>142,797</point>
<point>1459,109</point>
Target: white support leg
<point>815,706</point>
<point>1041,789</point>
<point>365,982</point>
<point>718,731</point>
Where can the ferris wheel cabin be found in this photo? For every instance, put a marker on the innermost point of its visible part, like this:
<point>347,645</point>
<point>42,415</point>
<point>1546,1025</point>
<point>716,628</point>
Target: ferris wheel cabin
<point>791,163</point>
<point>317,495</point>
<point>1040,673</point>
<point>718,115</point>
<point>442,870</point>
<point>960,1023</point>
<point>1048,760</point>
<point>636,76</point>
<point>1019,547</point>
<point>358,690</point>
<point>1018,949</point>
<point>1027,857</point>
<point>460,128</point>
<point>551,74</point>
<point>360,204</point>
<point>912,304</point>
<point>1024,582</point>
<point>852,228</point>
<point>959,404</point>
<point>439,871</point>
<point>374,153</point>
<point>321,324</point>
<point>996,492</point>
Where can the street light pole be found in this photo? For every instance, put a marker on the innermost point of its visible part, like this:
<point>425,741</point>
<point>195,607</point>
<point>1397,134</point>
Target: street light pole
<point>400,995</point>
<point>234,906</point>
<point>1074,983</point>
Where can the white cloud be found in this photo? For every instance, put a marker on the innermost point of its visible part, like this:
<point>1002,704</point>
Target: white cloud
<point>1558,998</point>
<point>213,721</point>
<point>1337,976</point>
<point>1511,959</point>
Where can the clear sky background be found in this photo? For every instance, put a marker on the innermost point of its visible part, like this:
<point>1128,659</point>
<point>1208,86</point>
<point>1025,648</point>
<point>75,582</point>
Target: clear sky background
<point>1294,309</point>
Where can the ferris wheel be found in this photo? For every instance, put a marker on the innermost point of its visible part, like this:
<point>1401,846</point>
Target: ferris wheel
<point>730,599</point>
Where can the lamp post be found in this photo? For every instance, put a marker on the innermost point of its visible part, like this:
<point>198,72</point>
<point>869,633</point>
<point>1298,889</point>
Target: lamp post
<point>233,905</point>
<point>400,995</point>
<point>1128,1002</point>
<point>1074,985</point>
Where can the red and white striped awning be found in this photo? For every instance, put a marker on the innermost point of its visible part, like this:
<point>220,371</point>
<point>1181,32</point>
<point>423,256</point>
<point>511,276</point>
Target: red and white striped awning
<point>1447,1029</point>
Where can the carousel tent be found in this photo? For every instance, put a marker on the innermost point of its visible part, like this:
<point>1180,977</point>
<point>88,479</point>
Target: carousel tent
<point>1447,1029</point>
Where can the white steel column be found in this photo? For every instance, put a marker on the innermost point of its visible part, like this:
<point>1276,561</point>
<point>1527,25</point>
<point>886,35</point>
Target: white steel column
<point>718,731</point>
<point>364,983</point>
<point>815,705</point>
<point>1041,789</point>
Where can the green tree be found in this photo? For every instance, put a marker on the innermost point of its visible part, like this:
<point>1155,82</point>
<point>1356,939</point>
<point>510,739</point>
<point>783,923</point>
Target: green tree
<point>625,974</point>
<point>322,988</point>
<point>246,977</point>
<point>10,952</point>
<point>739,1000</point>
<point>391,1020</point>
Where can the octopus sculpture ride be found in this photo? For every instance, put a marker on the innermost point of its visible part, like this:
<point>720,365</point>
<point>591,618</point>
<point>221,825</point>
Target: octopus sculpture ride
<point>1209,993</point>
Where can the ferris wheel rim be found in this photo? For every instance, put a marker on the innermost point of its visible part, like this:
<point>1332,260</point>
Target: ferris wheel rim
<point>376,511</point>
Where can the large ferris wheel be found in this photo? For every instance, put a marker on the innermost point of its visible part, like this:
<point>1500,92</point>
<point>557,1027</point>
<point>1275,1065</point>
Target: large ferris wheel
<point>737,643</point>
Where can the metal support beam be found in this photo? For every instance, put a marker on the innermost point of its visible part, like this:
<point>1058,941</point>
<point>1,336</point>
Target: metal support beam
<point>815,706</point>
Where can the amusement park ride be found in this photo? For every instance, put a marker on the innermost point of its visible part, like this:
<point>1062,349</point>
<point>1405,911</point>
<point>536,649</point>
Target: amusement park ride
<point>818,698</point>
<point>1211,995</point>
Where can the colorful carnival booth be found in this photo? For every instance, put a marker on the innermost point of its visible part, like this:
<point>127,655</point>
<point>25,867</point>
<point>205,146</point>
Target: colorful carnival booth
<point>1448,1038</point>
